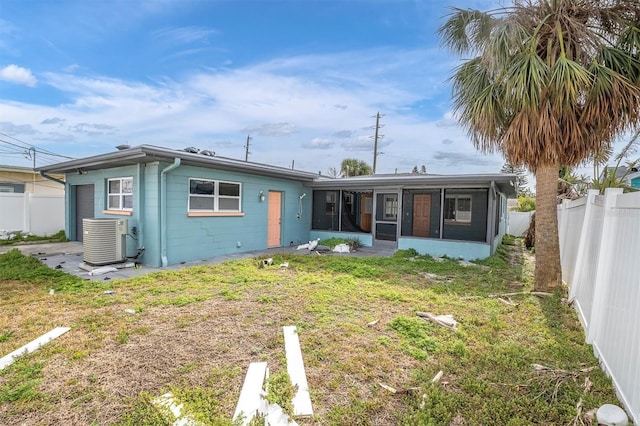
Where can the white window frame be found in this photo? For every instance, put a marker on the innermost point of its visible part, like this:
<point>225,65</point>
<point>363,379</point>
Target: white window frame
<point>121,194</point>
<point>216,197</point>
<point>390,207</point>
<point>457,218</point>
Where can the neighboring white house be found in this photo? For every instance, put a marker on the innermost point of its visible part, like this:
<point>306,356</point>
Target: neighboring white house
<point>16,179</point>
<point>30,203</point>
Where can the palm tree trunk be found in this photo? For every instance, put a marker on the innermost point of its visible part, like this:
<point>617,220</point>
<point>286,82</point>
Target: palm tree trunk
<point>548,272</point>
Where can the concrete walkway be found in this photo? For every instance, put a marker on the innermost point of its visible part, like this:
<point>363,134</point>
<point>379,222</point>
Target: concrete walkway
<point>68,257</point>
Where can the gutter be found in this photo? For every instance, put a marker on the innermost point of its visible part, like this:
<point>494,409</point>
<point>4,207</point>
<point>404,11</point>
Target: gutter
<point>46,176</point>
<point>163,209</point>
<point>491,216</point>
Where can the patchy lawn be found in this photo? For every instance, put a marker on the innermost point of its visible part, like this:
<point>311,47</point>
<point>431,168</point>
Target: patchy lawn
<point>196,330</point>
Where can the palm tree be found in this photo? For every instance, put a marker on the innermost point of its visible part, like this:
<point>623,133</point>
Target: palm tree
<point>354,167</point>
<point>549,83</point>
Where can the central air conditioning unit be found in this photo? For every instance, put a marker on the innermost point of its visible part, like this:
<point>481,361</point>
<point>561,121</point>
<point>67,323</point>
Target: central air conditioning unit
<point>104,241</point>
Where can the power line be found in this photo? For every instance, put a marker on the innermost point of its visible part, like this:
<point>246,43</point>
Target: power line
<point>29,145</point>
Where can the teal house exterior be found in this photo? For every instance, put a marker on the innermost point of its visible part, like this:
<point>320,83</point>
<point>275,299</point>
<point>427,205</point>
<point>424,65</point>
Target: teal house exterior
<point>184,205</point>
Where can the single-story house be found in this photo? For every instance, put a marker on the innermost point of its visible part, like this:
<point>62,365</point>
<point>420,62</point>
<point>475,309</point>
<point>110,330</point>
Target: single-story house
<point>19,179</point>
<point>184,205</point>
<point>633,179</point>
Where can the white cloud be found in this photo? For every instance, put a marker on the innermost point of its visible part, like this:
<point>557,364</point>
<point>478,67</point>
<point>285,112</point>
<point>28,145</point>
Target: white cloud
<point>17,129</point>
<point>184,35</point>
<point>285,105</point>
<point>18,75</point>
<point>456,159</point>
<point>273,129</point>
<point>52,120</point>
<point>71,68</point>
<point>319,143</point>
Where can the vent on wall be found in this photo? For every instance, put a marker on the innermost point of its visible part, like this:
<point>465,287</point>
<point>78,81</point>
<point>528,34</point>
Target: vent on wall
<point>104,241</point>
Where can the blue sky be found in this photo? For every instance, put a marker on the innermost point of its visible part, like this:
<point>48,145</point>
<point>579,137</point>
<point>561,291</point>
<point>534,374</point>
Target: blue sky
<point>303,78</point>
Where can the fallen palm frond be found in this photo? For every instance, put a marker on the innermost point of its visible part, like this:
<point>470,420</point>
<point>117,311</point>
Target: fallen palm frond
<point>560,377</point>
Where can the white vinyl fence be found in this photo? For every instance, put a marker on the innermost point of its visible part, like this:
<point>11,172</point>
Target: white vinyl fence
<point>518,222</point>
<point>39,214</point>
<point>600,255</point>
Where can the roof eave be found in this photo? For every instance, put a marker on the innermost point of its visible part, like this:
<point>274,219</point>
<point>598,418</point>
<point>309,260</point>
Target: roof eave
<point>147,153</point>
<point>479,181</point>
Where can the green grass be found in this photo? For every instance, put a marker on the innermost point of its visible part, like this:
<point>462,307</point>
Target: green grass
<point>58,237</point>
<point>357,324</point>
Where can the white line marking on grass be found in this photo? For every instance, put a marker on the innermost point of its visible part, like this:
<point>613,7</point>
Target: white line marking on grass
<point>250,401</point>
<point>32,346</point>
<point>295,368</point>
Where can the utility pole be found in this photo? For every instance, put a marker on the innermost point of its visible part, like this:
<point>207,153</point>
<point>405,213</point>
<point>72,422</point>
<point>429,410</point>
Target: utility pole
<point>33,149</point>
<point>246,149</point>
<point>375,139</point>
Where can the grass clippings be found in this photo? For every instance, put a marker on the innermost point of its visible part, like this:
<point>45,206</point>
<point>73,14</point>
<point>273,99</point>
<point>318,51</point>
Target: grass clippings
<point>196,330</point>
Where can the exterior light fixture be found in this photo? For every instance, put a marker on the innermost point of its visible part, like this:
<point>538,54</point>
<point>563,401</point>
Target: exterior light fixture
<point>261,197</point>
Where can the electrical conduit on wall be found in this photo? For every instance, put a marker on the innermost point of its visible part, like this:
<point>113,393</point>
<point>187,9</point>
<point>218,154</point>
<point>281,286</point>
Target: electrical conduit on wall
<point>163,210</point>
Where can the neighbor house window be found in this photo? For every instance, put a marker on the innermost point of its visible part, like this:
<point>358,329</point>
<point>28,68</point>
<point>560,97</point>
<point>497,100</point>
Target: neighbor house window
<point>214,196</point>
<point>457,208</point>
<point>120,194</point>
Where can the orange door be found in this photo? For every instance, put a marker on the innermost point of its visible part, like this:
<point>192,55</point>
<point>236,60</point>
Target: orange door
<point>366,207</point>
<point>421,215</point>
<point>274,219</point>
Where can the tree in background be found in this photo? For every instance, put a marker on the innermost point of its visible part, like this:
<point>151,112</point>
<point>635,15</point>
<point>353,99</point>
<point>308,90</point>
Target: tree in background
<point>521,176</point>
<point>525,204</point>
<point>421,171</point>
<point>615,176</point>
<point>570,185</point>
<point>549,83</point>
<point>354,167</point>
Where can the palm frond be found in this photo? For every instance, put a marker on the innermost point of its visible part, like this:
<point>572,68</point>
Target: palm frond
<point>466,30</point>
<point>526,80</point>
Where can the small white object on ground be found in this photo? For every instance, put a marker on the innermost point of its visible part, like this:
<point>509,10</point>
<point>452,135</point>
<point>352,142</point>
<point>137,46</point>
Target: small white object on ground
<point>51,292</point>
<point>9,359</point>
<point>167,401</point>
<point>444,320</point>
<point>302,246</point>
<point>341,248</point>
<point>284,265</point>
<point>611,415</point>
<point>102,270</point>
<point>130,311</point>
<point>277,417</point>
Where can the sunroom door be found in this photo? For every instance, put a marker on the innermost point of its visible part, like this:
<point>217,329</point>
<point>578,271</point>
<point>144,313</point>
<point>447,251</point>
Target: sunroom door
<point>387,212</point>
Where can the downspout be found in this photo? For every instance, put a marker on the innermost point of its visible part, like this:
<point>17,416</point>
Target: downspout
<point>67,202</point>
<point>491,220</point>
<point>163,210</point>
<point>441,213</point>
<point>141,209</point>
<point>46,176</point>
